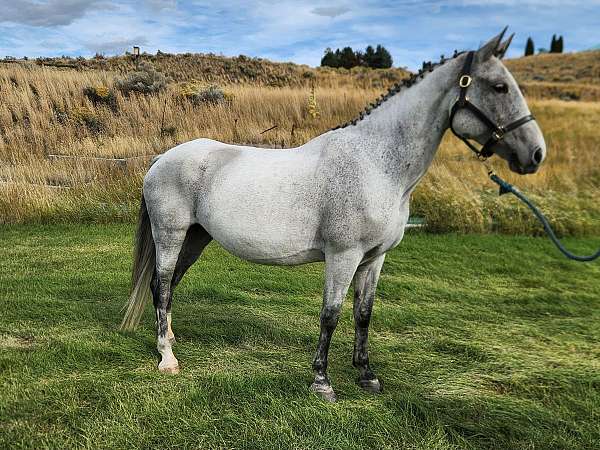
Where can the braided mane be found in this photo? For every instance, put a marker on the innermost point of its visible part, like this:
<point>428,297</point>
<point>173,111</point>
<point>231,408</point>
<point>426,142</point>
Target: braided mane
<point>428,66</point>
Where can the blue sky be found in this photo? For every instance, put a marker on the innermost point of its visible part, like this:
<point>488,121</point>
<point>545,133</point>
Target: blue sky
<point>295,31</point>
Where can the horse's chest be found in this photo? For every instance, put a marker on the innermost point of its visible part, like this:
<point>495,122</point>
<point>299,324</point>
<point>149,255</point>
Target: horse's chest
<point>385,229</point>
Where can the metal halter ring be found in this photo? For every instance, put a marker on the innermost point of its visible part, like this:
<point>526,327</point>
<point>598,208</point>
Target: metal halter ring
<point>498,135</point>
<point>465,81</point>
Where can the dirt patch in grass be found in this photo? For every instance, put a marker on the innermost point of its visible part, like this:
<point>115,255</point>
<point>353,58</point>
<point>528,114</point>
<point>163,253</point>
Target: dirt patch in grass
<point>8,341</point>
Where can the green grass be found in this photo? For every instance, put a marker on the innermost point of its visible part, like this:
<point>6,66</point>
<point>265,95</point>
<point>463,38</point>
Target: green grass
<point>481,342</point>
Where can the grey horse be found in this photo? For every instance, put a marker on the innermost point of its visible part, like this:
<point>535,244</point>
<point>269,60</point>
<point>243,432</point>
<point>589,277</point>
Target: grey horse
<point>342,197</point>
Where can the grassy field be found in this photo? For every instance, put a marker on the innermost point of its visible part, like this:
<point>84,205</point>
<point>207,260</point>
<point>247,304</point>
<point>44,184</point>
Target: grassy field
<point>481,341</point>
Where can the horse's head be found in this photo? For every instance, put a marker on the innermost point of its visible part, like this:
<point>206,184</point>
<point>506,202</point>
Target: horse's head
<point>492,110</point>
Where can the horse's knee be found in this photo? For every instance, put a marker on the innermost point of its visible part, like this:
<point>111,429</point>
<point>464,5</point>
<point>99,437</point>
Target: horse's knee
<point>362,319</point>
<point>330,316</point>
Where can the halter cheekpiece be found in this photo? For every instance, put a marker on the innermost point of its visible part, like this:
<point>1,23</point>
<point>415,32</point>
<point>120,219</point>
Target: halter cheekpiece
<point>498,132</point>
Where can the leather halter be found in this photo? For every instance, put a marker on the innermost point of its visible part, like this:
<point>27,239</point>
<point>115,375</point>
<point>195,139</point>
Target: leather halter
<point>498,132</point>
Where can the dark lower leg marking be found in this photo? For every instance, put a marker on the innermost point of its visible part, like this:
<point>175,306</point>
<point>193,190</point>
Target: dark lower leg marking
<point>365,283</point>
<point>339,270</point>
<point>322,384</point>
<point>329,320</point>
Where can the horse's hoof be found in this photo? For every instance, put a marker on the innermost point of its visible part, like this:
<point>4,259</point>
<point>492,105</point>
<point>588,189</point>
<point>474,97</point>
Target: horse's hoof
<point>173,370</point>
<point>169,365</point>
<point>373,385</point>
<point>324,391</point>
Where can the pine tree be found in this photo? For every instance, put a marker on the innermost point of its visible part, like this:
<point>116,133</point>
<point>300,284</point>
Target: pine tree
<point>559,45</point>
<point>369,56</point>
<point>359,58</point>
<point>348,58</point>
<point>553,44</point>
<point>382,58</point>
<point>330,59</point>
<point>529,47</point>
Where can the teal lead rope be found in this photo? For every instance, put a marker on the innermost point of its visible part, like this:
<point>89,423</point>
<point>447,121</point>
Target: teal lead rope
<point>506,188</point>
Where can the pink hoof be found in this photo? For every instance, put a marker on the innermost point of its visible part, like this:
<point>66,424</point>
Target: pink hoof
<point>173,370</point>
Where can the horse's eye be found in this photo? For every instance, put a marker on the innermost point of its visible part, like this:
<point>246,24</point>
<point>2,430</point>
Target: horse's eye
<point>501,88</point>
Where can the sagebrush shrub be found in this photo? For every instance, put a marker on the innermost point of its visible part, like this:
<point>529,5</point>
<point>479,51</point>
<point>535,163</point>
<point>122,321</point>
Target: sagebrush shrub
<point>145,80</point>
<point>101,95</point>
<point>202,94</point>
<point>89,119</point>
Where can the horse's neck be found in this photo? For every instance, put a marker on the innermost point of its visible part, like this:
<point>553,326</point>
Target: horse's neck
<point>405,131</point>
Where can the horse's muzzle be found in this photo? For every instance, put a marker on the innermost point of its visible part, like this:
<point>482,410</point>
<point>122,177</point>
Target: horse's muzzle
<point>516,166</point>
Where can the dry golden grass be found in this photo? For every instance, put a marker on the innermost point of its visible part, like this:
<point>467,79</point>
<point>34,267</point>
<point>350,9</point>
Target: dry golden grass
<point>44,112</point>
<point>565,76</point>
<point>231,70</point>
<point>562,91</point>
<point>581,67</point>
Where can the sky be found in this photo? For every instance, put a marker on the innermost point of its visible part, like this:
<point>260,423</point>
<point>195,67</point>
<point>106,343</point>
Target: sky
<point>412,30</point>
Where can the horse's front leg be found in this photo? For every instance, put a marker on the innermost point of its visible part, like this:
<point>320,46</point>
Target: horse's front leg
<point>365,283</point>
<point>339,270</point>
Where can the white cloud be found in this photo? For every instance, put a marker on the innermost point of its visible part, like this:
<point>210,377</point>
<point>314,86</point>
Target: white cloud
<point>47,14</point>
<point>330,11</point>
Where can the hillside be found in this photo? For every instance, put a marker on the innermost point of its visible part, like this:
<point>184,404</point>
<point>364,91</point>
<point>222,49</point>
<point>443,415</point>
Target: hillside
<point>231,70</point>
<point>566,76</point>
<point>580,68</point>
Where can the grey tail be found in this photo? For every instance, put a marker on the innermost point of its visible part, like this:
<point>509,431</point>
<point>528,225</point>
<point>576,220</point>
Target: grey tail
<point>144,260</point>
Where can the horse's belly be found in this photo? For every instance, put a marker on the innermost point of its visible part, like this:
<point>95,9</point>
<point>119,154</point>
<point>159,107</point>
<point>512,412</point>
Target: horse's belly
<point>281,257</point>
<point>268,231</point>
<point>265,244</point>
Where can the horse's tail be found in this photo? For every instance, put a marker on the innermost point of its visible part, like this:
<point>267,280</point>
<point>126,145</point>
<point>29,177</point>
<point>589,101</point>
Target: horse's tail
<point>144,259</point>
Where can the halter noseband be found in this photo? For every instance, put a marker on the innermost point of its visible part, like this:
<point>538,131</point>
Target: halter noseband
<point>498,132</point>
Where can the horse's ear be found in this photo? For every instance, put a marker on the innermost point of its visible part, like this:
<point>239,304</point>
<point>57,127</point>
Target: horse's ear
<point>501,50</point>
<point>491,47</point>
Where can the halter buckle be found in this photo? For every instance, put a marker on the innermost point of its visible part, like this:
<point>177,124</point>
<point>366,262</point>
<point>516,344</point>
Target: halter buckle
<point>498,135</point>
<point>465,81</point>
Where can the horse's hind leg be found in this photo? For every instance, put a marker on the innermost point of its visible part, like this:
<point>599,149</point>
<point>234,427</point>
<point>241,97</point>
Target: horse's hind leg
<point>196,239</point>
<point>168,242</point>
<point>365,283</point>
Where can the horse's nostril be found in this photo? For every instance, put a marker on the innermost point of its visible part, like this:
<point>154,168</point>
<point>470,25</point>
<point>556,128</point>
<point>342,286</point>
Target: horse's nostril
<point>538,155</point>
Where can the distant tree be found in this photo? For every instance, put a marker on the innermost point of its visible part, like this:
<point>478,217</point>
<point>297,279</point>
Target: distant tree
<point>330,59</point>
<point>348,58</point>
<point>382,59</point>
<point>378,58</point>
<point>529,47</point>
<point>360,58</point>
<point>542,50</point>
<point>368,56</point>
<point>559,45</point>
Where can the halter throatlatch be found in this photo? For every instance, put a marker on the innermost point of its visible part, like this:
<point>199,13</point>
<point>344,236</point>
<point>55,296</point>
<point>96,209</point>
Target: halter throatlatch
<point>498,132</point>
